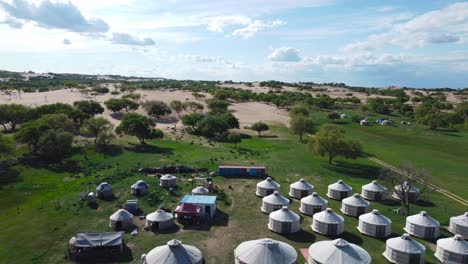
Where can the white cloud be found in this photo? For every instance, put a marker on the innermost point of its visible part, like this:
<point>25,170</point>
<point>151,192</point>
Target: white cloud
<point>127,39</point>
<point>66,42</point>
<point>285,54</point>
<point>256,26</point>
<point>219,23</point>
<point>386,9</point>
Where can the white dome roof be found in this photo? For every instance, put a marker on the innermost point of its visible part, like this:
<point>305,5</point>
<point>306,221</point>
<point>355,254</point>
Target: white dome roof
<point>168,177</point>
<point>284,215</point>
<point>405,244</point>
<point>461,220</point>
<point>374,186</point>
<point>268,184</point>
<point>454,244</point>
<point>413,188</point>
<point>200,190</point>
<point>104,187</point>
<point>140,185</point>
<point>314,199</point>
<point>375,218</point>
<point>328,216</point>
<point>275,198</point>
<point>302,185</point>
<point>121,215</point>
<point>265,250</point>
<point>174,253</point>
<point>355,200</point>
<point>340,186</point>
<point>338,251</point>
<point>159,216</point>
<point>422,219</point>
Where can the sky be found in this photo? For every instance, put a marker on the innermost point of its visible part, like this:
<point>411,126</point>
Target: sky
<point>415,43</point>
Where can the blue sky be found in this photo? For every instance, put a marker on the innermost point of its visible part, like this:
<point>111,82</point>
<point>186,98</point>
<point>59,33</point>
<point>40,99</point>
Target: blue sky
<point>415,43</point>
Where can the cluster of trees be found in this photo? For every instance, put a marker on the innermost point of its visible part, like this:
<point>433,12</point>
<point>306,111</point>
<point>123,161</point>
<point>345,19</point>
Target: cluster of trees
<point>300,122</point>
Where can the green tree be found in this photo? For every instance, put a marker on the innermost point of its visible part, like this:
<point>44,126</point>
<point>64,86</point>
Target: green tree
<point>364,109</point>
<point>260,127</point>
<point>100,129</point>
<point>300,109</point>
<point>300,124</point>
<point>192,120</point>
<point>13,115</point>
<point>215,124</point>
<point>333,116</point>
<point>198,95</point>
<point>193,106</point>
<point>117,105</point>
<point>234,138</point>
<point>54,145</point>
<point>139,126</point>
<point>132,96</point>
<point>177,106</point>
<point>217,104</point>
<point>91,108</point>
<point>156,108</point>
<point>6,145</point>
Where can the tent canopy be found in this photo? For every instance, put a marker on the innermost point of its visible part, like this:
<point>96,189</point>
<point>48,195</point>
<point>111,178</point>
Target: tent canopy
<point>405,244</point>
<point>187,209</point>
<point>374,186</point>
<point>338,251</point>
<point>302,185</point>
<point>174,252</point>
<point>265,250</point>
<point>422,219</point>
<point>90,240</point>
<point>268,184</point>
<point>356,200</point>
<point>121,215</point>
<point>328,216</point>
<point>314,199</point>
<point>159,216</point>
<point>340,186</point>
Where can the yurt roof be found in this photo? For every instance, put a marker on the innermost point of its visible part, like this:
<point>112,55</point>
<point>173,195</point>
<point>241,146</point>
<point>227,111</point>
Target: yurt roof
<point>454,244</point>
<point>340,186</point>
<point>276,198</point>
<point>302,185</point>
<point>355,200</point>
<point>460,219</point>
<point>174,252</point>
<point>413,188</point>
<point>121,215</point>
<point>159,216</point>
<point>328,216</point>
<point>265,250</point>
<point>168,177</point>
<point>140,185</point>
<point>423,219</point>
<point>374,186</point>
<point>405,244</point>
<point>375,217</point>
<point>284,215</point>
<point>104,186</point>
<point>314,199</point>
<point>200,189</point>
<point>268,183</point>
<point>338,251</point>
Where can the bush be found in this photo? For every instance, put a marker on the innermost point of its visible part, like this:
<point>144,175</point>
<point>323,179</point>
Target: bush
<point>101,90</point>
<point>356,118</point>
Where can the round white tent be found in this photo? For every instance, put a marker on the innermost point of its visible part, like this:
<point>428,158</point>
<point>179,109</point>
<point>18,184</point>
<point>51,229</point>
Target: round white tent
<point>174,252</point>
<point>339,190</point>
<point>375,224</point>
<point>328,223</point>
<point>373,191</point>
<point>422,225</point>
<point>404,250</point>
<point>284,221</point>
<point>266,187</point>
<point>263,251</point>
<point>300,189</point>
<point>168,181</point>
<point>338,251</point>
<point>364,122</point>
<point>104,190</point>
<point>313,204</point>
<point>452,250</point>
<point>200,190</point>
<point>459,225</point>
<point>273,202</point>
<point>121,220</point>
<point>355,205</point>
<point>159,220</point>
<point>411,190</point>
<point>140,188</point>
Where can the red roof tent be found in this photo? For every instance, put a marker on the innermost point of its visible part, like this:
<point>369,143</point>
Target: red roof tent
<point>187,209</point>
<point>305,253</point>
<point>241,167</point>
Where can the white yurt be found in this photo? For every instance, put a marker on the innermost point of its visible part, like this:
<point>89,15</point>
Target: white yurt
<point>140,188</point>
<point>200,190</point>
<point>121,220</point>
<point>375,224</point>
<point>338,251</point>
<point>267,187</point>
<point>174,252</point>
<point>459,225</point>
<point>263,251</point>
<point>273,202</point>
<point>300,189</point>
<point>422,225</point>
<point>344,116</point>
<point>373,191</point>
<point>168,181</point>
<point>452,250</point>
<point>159,220</point>
<point>355,205</point>
<point>413,192</point>
<point>104,190</point>
<point>339,190</point>
<point>364,122</point>
<point>313,204</point>
<point>284,221</point>
<point>404,250</point>
<point>328,223</point>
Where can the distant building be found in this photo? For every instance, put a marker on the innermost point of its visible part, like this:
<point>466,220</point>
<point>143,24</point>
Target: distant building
<point>242,171</point>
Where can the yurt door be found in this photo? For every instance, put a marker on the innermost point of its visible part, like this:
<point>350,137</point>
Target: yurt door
<point>429,232</point>
<point>332,229</point>
<point>304,193</point>
<point>156,225</point>
<point>118,225</point>
<point>377,196</point>
<point>286,227</point>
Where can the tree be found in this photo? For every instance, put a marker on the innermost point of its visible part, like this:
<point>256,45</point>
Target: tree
<point>139,126</point>
<point>91,108</point>
<point>13,115</point>
<point>364,109</point>
<point>216,123</point>
<point>193,106</point>
<point>333,116</point>
<point>192,120</point>
<point>177,106</point>
<point>260,127</point>
<point>156,109</point>
<point>300,124</point>
<point>71,84</point>
<point>6,146</point>
<point>217,104</point>
<point>117,105</point>
<point>198,96</point>
<point>55,144</point>
<point>234,138</point>
<point>132,96</point>
<point>300,109</point>
<point>100,129</point>
<point>331,141</point>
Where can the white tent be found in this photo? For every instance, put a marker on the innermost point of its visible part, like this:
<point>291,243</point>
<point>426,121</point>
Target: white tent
<point>104,190</point>
<point>422,225</point>
<point>273,202</point>
<point>339,190</point>
<point>364,122</point>
<point>313,204</point>
<point>140,188</point>
<point>459,225</point>
<point>328,223</point>
<point>400,190</point>
<point>168,181</point>
<point>373,191</point>
<point>355,205</point>
<point>159,220</point>
<point>375,224</point>
<point>266,187</point>
<point>452,250</point>
<point>263,251</point>
<point>344,116</point>
<point>404,250</point>
<point>386,123</point>
<point>284,221</point>
<point>91,198</point>
<point>174,252</point>
<point>121,220</point>
<point>338,251</point>
<point>200,190</point>
<point>300,189</point>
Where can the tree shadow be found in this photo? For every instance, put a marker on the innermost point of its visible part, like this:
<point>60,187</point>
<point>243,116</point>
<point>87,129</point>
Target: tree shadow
<point>389,202</point>
<point>220,218</point>
<point>355,169</point>
<point>447,130</point>
<point>167,120</point>
<point>300,236</point>
<point>111,150</point>
<point>140,148</point>
<point>117,115</point>
<point>424,203</point>
<point>268,136</point>
<point>173,229</point>
<point>71,166</point>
